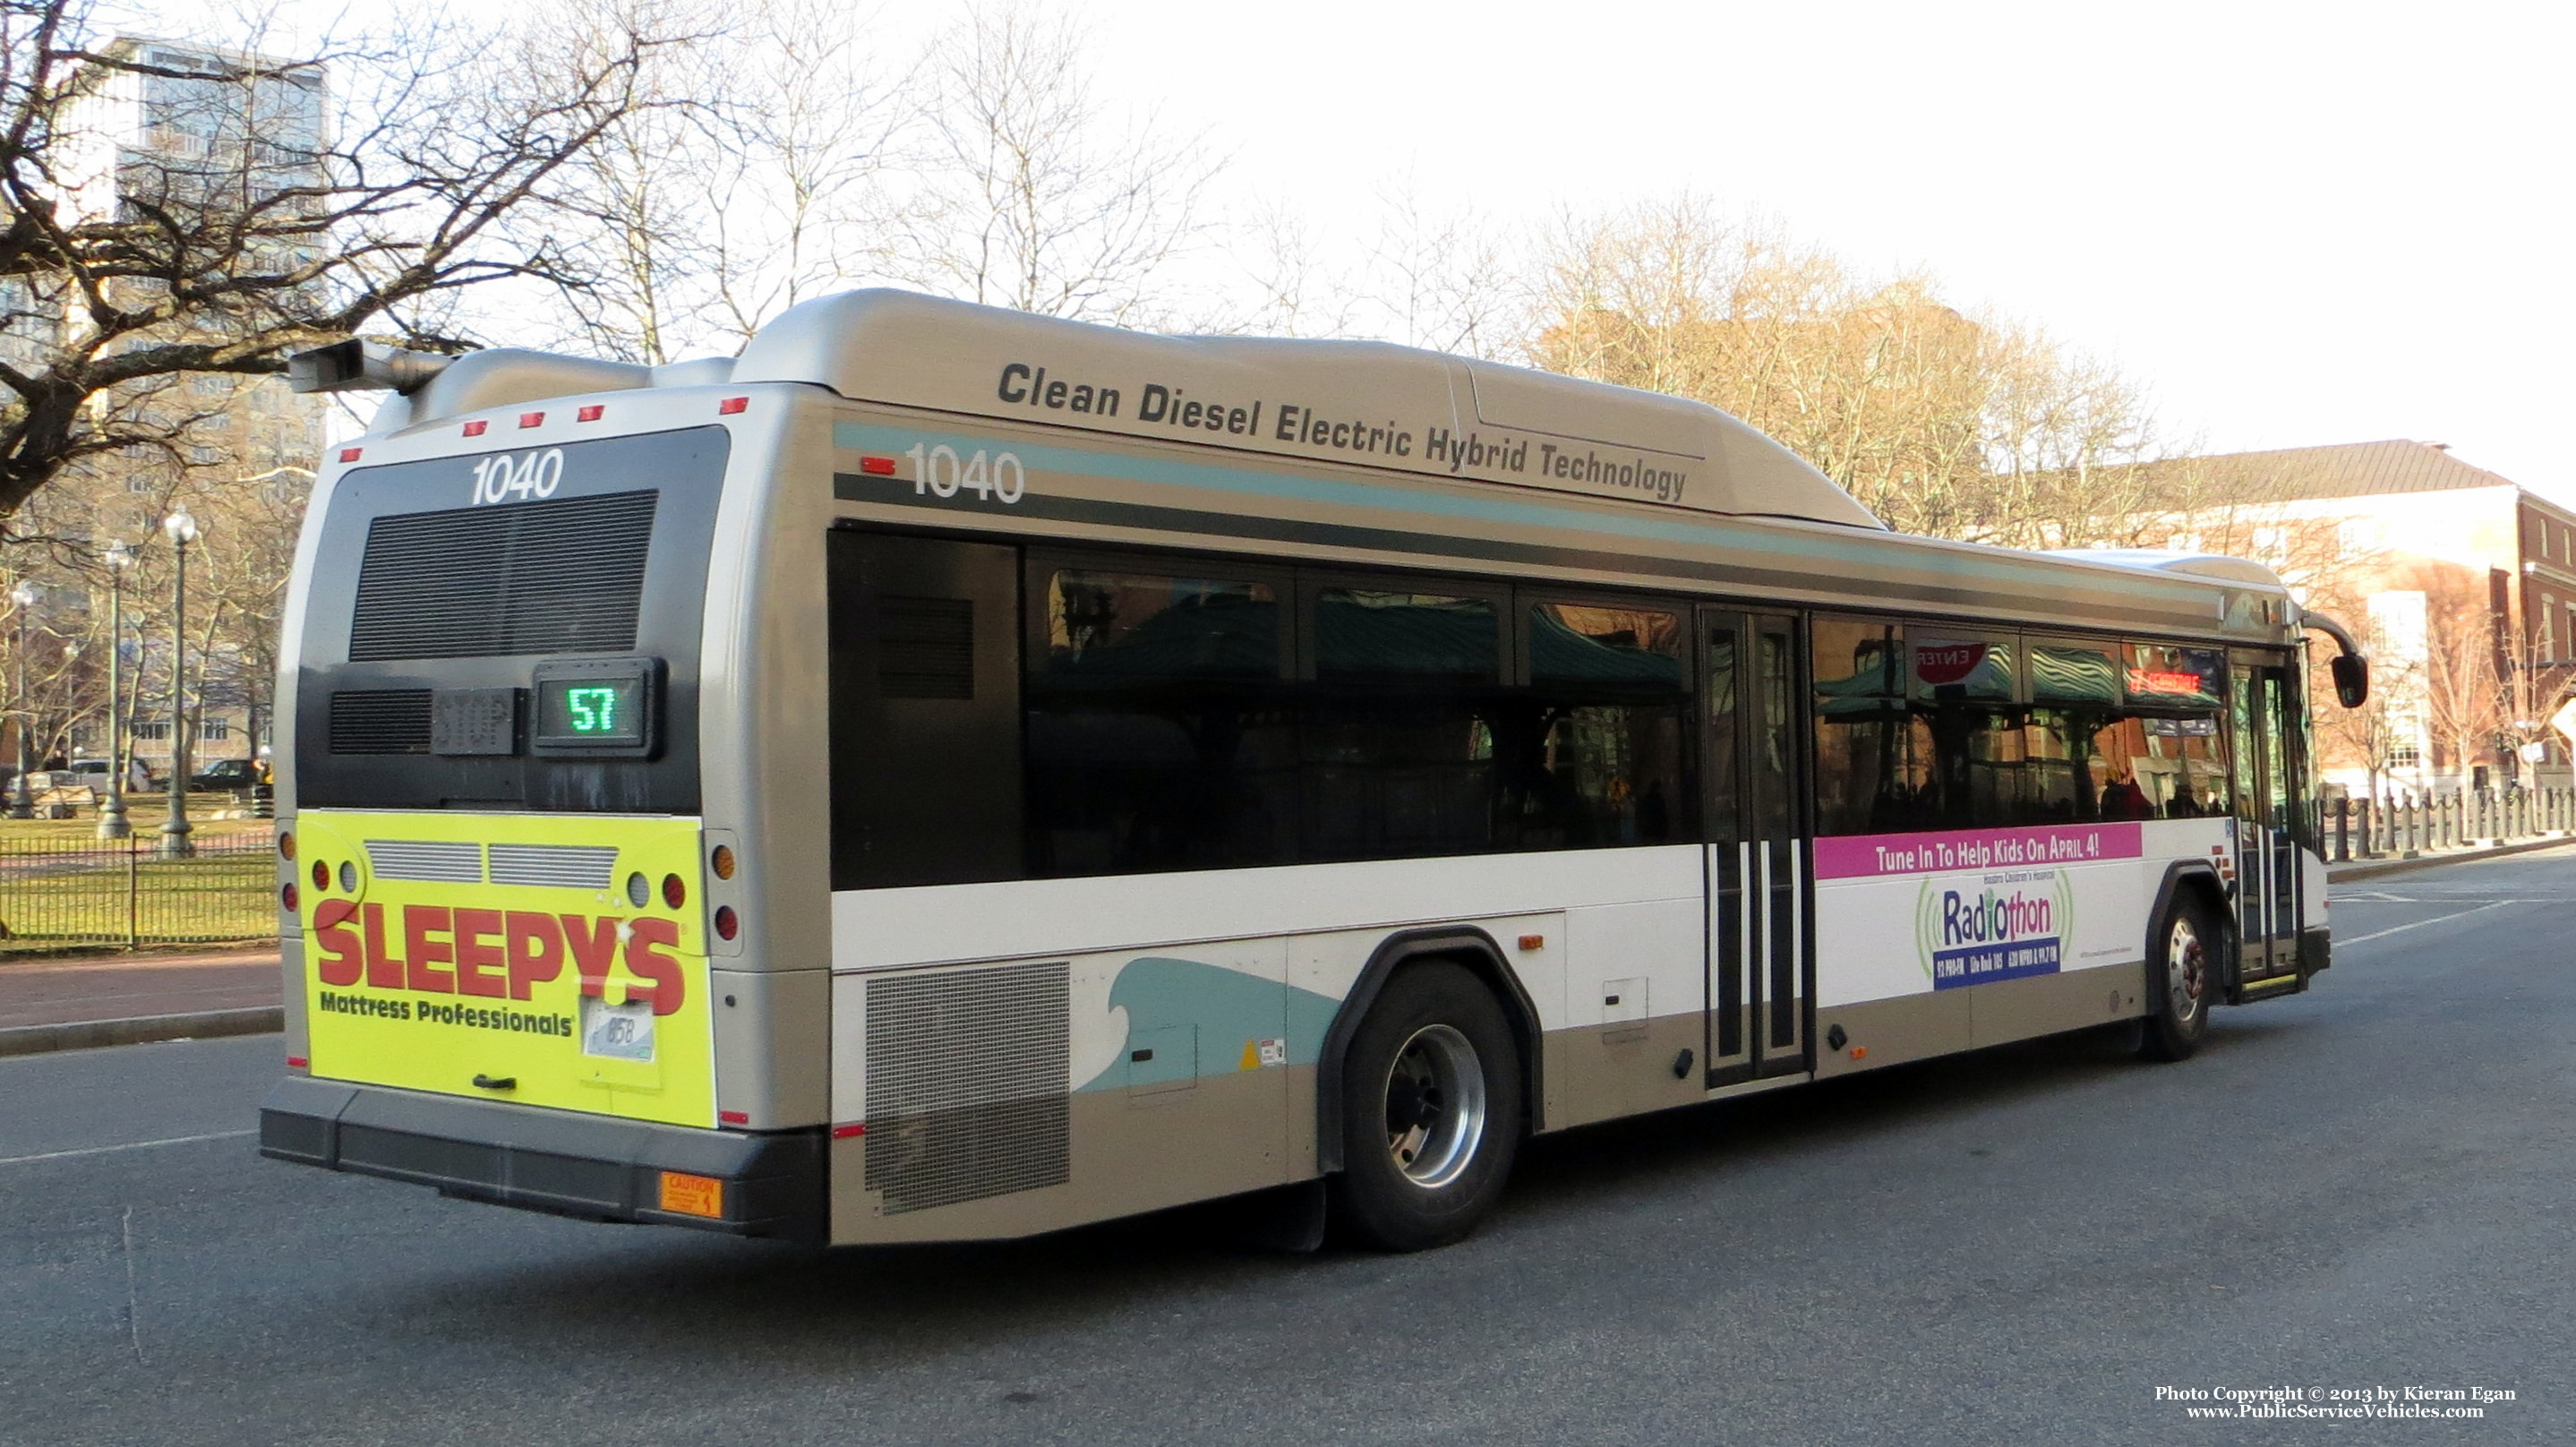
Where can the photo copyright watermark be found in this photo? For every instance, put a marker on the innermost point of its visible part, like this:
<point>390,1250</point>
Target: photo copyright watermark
<point>2334,1402</point>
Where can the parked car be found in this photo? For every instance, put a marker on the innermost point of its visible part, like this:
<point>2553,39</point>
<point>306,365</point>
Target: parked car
<point>225,774</point>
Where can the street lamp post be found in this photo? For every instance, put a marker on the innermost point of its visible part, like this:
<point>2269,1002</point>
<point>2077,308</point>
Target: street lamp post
<point>112,823</point>
<point>22,804</point>
<point>182,530</point>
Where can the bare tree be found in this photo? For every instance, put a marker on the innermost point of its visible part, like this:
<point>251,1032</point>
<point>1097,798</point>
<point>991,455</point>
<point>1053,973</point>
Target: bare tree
<point>2464,699</point>
<point>1025,192</point>
<point>716,204</point>
<point>262,206</point>
<point>1940,422</point>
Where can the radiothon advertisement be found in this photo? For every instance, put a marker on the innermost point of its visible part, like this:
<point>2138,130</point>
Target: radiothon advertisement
<point>1900,914</point>
<point>539,960</point>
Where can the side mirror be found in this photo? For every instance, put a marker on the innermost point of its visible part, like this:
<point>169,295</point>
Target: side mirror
<point>2351,679</point>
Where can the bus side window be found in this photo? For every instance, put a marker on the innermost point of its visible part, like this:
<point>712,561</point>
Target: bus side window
<point>1159,731</point>
<point>1397,743</point>
<point>1596,743</point>
<point>925,711</point>
<point>1865,782</point>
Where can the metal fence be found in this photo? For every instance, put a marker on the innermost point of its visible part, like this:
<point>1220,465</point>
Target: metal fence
<point>2407,822</point>
<point>74,891</point>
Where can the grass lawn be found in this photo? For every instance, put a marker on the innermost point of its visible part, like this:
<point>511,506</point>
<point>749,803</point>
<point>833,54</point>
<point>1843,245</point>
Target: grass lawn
<point>69,888</point>
<point>144,814</point>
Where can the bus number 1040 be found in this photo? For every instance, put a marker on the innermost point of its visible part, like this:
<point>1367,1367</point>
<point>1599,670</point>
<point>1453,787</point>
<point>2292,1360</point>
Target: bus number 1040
<point>938,472</point>
<point>505,478</point>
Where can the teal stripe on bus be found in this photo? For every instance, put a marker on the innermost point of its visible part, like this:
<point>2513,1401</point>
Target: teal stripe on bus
<point>1165,472</point>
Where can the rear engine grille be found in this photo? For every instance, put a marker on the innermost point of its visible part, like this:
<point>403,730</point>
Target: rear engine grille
<point>380,721</point>
<point>426,861</point>
<point>967,1079</point>
<point>561,576</point>
<point>561,866</point>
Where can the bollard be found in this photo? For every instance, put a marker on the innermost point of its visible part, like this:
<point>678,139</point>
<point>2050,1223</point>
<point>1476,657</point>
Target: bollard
<point>2343,830</point>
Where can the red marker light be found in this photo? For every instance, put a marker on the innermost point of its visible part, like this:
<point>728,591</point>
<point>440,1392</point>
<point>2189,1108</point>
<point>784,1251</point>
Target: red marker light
<point>731,405</point>
<point>734,1117</point>
<point>590,413</point>
<point>286,896</point>
<point>877,466</point>
<point>674,893</point>
<point>847,1132</point>
<point>350,454</point>
<point>532,419</point>
<point>321,875</point>
<point>297,1062</point>
<point>728,924</point>
<point>476,428</point>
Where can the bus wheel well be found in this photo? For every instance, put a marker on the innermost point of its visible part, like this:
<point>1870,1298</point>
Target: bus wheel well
<point>2194,879</point>
<point>1464,945</point>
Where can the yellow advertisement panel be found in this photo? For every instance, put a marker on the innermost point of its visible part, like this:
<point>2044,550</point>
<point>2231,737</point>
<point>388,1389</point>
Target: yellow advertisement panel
<point>542,959</point>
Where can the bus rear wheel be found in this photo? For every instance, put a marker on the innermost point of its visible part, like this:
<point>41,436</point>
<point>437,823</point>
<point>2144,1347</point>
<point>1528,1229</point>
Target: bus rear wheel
<point>2179,978</point>
<point>1431,1111</point>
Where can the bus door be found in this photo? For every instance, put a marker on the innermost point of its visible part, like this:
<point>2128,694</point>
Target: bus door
<point>1755,863</point>
<point>2267,810</point>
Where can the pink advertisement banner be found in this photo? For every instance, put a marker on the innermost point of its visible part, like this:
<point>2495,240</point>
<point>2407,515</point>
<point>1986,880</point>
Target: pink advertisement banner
<point>1867,856</point>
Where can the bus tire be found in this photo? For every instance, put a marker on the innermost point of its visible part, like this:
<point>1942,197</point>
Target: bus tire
<point>2181,973</point>
<point>1431,1111</point>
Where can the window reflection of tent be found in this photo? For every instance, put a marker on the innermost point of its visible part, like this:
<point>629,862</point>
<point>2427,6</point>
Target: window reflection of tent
<point>1399,636</point>
<point>1560,652</point>
<point>2074,675</point>
<point>1230,634</point>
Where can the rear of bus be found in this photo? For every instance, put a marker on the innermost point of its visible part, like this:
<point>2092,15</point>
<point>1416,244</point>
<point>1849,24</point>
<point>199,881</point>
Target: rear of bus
<point>506,919</point>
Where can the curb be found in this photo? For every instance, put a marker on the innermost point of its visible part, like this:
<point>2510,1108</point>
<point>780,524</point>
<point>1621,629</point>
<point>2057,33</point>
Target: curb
<point>91,1034</point>
<point>2373,868</point>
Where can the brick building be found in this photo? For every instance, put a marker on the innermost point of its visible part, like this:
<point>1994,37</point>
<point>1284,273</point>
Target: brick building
<point>2463,581</point>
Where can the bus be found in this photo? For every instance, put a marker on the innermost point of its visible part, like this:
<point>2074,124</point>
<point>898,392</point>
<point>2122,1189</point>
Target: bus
<point>949,774</point>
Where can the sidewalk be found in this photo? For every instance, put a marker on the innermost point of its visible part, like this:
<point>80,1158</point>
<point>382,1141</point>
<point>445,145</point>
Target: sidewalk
<point>2370,868</point>
<point>74,1003</point>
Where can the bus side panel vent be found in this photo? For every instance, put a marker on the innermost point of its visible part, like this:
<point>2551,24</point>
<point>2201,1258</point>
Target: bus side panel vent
<point>927,647</point>
<point>968,1073</point>
<point>380,721</point>
<point>561,576</point>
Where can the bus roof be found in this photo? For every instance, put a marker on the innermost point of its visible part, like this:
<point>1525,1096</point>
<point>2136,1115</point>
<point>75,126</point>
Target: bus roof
<point>1365,402</point>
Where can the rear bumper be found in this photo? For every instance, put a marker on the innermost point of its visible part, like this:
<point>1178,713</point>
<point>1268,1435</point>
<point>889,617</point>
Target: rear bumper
<point>565,1164</point>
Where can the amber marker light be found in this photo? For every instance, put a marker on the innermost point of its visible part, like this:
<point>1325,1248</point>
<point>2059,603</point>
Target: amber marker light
<point>721,861</point>
<point>286,844</point>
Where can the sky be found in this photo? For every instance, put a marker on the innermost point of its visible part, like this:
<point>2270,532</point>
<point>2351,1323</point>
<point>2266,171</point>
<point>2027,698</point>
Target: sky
<point>2297,224</point>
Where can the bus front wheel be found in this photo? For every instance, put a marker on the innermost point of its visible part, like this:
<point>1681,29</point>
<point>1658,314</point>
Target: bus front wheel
<point>1431,1111</point>
<point>2179,978</point>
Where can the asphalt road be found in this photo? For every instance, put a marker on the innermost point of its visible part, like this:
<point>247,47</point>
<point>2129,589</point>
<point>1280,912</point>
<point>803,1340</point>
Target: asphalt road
<point>2369,1186</point>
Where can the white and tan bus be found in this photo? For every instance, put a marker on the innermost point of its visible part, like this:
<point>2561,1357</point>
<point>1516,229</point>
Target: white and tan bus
<point>947,773</point>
